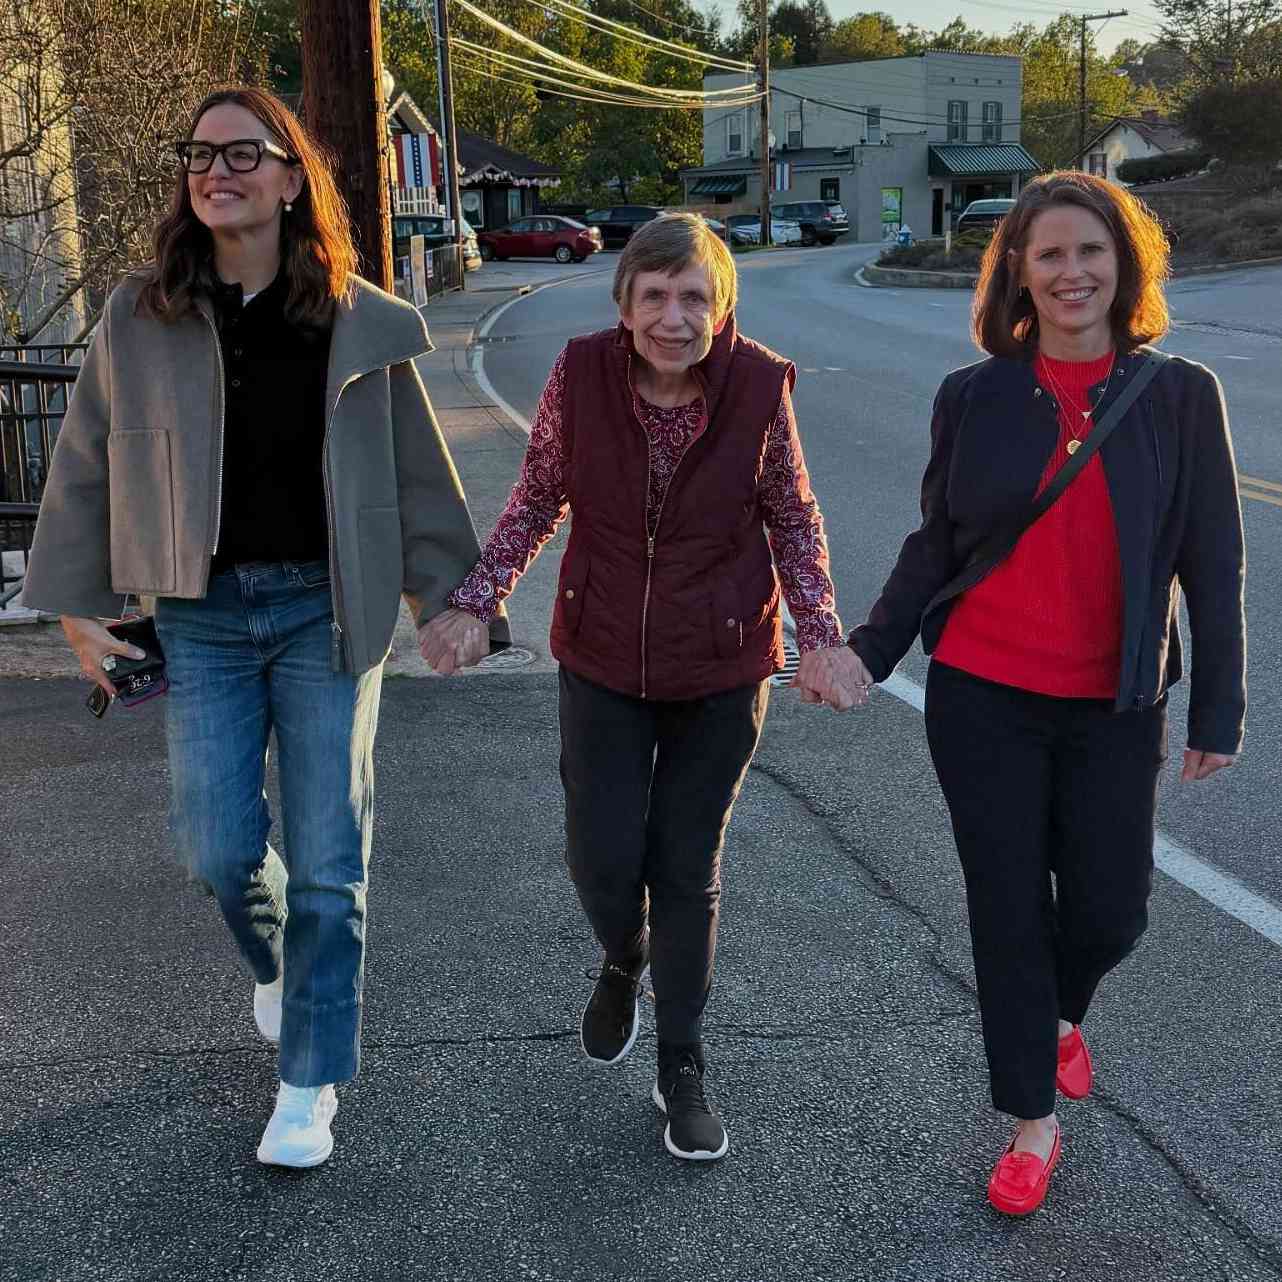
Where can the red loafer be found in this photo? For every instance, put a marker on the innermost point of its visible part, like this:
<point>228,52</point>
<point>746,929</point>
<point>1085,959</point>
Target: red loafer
<point>1074,1072</point>
<point>1020,1180</point>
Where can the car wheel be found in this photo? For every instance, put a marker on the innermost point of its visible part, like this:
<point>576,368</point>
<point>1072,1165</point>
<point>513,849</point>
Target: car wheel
<point>563,254</point>
<point>807,236</point>
<point>827,240</point>
<point>487,252</point>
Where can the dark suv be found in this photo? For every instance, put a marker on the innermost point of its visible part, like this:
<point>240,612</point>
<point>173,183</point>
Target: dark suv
<point>821,220</point>
<point>619,222</point>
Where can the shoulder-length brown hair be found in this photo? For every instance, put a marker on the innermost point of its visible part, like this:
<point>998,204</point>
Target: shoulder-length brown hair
<point>316,238</point>
<point>1004,322</point>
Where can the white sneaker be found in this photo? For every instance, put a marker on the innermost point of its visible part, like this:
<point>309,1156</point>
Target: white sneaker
<point>267,1000</point>
<point>298,1134</point>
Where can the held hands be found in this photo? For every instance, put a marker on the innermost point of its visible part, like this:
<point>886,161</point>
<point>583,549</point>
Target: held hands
<point>834,675</point>
<point>1202,765</point>
<point>452,640</point>
<point>92,643</point>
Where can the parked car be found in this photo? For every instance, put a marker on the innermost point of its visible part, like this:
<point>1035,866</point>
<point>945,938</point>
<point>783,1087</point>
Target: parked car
<point>432,228</point>
<point>822,221</point>
<point>984,213</point>
<point>745,229</point>
<point>719,228</point>
<point>617,223</point>
<point>542,236</point>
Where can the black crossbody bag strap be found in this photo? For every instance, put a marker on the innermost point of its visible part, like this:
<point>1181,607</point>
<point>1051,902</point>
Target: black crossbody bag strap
<point>1147,372</point>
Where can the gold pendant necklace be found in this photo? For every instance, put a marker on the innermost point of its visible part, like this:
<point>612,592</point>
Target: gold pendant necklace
<point>1074,442</point>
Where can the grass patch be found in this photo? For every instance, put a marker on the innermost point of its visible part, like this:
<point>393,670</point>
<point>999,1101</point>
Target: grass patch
<point>928,255</point>
<point>1251,228</point>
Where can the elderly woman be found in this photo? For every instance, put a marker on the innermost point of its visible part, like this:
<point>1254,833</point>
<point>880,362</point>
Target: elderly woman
<point>250,443</point>
<point>1054,645</point>
<point>673,441</point>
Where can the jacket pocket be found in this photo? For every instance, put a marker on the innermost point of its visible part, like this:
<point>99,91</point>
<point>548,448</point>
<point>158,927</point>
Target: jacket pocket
<point>570,590</point>
<point>382,572</point>
<point>140,480</point>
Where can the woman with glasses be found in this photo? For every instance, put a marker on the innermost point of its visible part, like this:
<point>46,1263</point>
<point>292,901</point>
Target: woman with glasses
<point>250,443</point>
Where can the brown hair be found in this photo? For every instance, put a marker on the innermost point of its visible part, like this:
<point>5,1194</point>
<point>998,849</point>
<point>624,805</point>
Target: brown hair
<point>1003,319</point>
<point>670,244</point>
<point>316,237</point>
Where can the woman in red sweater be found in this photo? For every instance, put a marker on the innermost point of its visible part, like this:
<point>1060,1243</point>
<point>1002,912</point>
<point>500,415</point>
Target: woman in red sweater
<point>1046,698</point>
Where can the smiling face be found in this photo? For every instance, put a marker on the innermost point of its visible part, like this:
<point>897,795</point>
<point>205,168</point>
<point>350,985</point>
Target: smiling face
<point>230,202</point>
<point>671,317</point>
<point>1070,268</point>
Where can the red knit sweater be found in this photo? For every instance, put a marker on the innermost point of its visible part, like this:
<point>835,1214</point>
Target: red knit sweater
<point>1049,618</point>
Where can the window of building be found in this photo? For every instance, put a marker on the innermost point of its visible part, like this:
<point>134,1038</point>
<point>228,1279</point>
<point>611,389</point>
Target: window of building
<point>734,134</point>
<point>514,209</point>
<point>1099,164</point>
<point>872,125</point>
<point>830,189</point>
<point>957,120</point>
<point>991,122</point>
<point>794,129</point>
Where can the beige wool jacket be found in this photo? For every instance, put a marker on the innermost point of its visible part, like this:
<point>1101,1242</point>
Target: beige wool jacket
<point>133,497</point>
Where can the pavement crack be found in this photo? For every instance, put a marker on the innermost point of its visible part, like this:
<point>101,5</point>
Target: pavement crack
<point>1264,1249</point>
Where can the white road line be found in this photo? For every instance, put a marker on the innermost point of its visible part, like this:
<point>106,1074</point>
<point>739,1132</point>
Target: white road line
<point>1234,358</point>
<point>1216,887</point>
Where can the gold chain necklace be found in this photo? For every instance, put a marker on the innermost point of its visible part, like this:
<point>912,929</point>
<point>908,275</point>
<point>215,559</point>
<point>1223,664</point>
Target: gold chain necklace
<point>1075,443</point>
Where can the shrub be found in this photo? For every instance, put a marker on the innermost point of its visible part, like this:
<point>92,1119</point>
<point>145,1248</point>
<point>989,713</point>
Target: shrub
<point>1175,164</point>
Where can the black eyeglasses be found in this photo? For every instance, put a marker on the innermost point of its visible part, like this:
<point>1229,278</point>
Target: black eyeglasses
<point>243,155</point>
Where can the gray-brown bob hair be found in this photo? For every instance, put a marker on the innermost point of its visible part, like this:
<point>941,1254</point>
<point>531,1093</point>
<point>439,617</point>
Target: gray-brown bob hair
<point>670,244</point>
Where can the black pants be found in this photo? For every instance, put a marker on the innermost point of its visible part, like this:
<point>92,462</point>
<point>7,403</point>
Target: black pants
<point>649,788</point>
<point>1038,786</point>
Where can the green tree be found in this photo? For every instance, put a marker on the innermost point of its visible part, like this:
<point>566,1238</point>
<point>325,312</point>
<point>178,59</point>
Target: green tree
<point>807,23</point>
<point>864,36</point>
<point>1239,123</point>
<point>1226,43</point>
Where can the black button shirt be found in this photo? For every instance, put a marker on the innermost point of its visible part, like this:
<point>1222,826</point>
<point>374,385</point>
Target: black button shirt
<point>274,375</point>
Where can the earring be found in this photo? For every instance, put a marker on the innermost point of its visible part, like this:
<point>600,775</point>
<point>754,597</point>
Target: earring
<point>1024,295</point>
<point>288,207</point>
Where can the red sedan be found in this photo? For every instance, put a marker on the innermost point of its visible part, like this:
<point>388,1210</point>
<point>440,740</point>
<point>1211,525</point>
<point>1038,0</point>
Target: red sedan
<point>542,236</point>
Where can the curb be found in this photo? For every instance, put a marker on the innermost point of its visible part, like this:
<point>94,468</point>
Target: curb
<point>870,276</point>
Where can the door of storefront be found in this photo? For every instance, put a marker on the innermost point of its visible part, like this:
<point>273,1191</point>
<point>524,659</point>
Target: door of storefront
<point>936,211</point>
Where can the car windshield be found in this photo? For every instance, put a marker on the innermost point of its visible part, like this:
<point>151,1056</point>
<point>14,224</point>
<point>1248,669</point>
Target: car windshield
<point>989,206</point>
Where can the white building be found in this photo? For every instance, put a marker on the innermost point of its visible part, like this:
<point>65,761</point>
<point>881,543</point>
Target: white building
<point>896,140</point>
<point>1132,138</point>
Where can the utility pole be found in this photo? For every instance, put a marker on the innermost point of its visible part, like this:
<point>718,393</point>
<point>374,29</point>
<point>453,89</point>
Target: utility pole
<point>763,83</point>
<point>449,135</point>
<point>1081,98</point>
<point>343,105</point>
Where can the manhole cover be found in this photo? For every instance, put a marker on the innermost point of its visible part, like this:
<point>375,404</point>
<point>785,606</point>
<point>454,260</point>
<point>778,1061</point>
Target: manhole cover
<point>505,660</point>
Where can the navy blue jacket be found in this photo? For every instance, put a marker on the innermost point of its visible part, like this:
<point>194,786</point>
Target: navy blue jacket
<point>1173,485</point>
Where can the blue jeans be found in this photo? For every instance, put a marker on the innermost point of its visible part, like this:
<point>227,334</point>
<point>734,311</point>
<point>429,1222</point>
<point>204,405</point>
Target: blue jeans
<point>254,656</point>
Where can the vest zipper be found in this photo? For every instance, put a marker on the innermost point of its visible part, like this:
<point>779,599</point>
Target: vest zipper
<point>650,538</point>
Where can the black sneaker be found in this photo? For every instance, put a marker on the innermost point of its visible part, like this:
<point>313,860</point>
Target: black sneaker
<point>694,1131</point>
<point>608,1030</point>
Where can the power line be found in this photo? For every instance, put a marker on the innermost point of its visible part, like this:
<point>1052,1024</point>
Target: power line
<point>715,96</point>
<point>852,110</point>
<point>586,19</point>
<point>539,70</point>
<point>672,22</point>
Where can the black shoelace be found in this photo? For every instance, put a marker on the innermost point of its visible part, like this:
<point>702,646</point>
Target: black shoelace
<point>686,1090</point>
<point>615,974</point>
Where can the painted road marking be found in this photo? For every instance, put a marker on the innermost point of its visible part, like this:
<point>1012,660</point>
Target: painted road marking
<point>1259,483</point>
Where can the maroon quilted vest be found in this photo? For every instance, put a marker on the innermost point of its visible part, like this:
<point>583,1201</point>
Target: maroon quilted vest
<point>695,610</point>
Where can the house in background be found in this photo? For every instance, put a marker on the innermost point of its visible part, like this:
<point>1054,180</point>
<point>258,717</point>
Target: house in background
<point>496,184</point>
<point>896,140</point>
<point>1132,138</point>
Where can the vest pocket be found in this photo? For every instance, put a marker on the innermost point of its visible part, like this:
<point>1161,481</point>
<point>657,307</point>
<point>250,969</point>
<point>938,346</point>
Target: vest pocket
<point>727,620</point>
<point>140,481</point>
<point>570,590</point>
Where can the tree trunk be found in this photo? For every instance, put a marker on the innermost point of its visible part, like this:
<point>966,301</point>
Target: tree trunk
<point>343,106</point>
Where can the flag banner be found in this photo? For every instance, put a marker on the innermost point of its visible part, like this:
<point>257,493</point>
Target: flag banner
<point>418,162</point>
<point>782,175</point>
